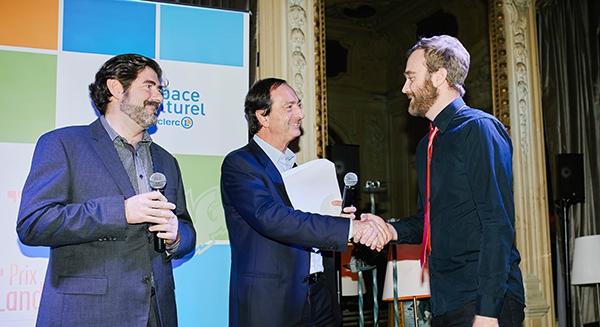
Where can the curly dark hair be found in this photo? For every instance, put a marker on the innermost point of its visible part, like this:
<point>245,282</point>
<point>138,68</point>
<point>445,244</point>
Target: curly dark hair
<point>259,98</point>
<point>125,69</point>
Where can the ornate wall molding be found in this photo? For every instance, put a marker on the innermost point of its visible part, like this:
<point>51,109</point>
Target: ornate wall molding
<point>320,79</point>
<point>517,104</point>
<point>297,40</point>
<point>286,50</point>
<point>306,19</point>
<point>498,62</point>
<point>518,20</point>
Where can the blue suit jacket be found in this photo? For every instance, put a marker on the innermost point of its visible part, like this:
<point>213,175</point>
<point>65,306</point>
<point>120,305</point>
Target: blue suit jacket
<point>269,241</point>
<point>100,267</point>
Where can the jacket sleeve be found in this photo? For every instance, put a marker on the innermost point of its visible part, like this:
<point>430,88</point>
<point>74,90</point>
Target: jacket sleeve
<point>249,191</point>
<point>48,216</point>
<point>187,232</point>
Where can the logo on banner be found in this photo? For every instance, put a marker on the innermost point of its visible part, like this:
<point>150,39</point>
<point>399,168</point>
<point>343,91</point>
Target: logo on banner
<point>181,103</point>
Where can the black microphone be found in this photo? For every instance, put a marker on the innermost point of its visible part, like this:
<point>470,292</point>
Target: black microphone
<point>157,183</point>
<point>350,181</point>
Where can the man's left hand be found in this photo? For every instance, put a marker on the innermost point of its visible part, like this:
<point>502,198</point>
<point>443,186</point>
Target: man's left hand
<point>168,229</point>
<point>348,211</point>
<point>481,321</point>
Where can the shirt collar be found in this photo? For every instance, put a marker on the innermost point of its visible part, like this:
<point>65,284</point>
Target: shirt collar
<point>442,120</point>
<point>283,161</point>
<point>146,138</point>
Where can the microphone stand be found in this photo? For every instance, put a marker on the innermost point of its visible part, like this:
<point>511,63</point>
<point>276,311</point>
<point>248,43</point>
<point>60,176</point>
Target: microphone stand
<point>371,188</point>
<point>565,203</point>
<point>359,265</point>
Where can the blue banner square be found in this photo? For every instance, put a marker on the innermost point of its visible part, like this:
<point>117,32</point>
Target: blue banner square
<point>109,27</point>
<point>202,35</point>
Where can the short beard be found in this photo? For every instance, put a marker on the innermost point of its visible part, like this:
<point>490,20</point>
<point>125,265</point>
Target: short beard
<point>140,114</point>
<point>423,99</point>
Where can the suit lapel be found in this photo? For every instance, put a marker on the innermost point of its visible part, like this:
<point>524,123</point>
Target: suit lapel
<point>105,149</point>
<point>271,170</point>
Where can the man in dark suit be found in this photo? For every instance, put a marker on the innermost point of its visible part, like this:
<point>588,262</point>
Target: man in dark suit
<point>277,270</point>
<point>88,198</point>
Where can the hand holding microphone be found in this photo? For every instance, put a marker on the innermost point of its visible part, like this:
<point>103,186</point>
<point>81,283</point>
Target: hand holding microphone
<point>350,180</point>
<point>158,181</point>
<point>153,208</point>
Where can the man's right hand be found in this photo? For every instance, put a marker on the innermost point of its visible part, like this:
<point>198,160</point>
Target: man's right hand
<point>372,231</point>
<point>151,207</point>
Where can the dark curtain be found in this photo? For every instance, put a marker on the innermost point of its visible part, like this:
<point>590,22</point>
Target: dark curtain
<point>569,63</point>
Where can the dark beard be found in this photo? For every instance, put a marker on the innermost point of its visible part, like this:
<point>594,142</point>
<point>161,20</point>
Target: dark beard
<point>140,114</point>
<point>423,99</point>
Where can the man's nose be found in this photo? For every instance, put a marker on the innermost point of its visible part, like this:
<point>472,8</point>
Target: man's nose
<point>405,87</point>
<point>299,112</point>
<point>157,96</point>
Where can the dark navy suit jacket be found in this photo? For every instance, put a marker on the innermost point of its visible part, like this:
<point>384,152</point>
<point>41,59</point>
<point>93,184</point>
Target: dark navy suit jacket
<point>269,241</point>
<point>100,267</point>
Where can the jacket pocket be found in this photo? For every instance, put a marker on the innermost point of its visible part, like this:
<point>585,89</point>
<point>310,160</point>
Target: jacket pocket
<point>258,274</point>
<point>90,285</point>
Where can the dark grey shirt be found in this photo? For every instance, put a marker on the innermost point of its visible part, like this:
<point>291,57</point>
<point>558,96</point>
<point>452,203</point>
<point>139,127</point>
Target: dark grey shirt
<point>137,162</point>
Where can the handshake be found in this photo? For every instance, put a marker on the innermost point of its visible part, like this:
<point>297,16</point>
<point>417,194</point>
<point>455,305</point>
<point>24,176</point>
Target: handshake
<point>371,230</point>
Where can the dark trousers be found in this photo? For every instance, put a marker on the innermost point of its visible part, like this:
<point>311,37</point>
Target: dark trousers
<point>153,319</point>
<point>318,310</point>
<point>511,315</point>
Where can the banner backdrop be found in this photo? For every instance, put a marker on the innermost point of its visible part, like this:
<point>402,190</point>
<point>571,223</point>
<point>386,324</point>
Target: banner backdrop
<point>50,51</point>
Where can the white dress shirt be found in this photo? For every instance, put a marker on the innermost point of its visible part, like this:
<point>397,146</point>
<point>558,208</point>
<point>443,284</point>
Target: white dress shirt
<point>283,162</point>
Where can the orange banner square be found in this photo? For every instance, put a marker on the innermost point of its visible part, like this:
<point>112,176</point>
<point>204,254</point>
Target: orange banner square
<point>29,23</point>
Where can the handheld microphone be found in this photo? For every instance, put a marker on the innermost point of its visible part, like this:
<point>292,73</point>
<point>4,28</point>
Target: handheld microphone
<point>157,183</point>
<point>350,180</point>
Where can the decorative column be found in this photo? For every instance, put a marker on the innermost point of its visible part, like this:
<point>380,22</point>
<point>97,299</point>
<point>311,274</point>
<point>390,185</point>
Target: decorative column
<point>517,103</point>
<point>291,45</point>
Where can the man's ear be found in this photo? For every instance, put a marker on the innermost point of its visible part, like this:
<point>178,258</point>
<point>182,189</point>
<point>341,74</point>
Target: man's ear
<point>439,77</point>
<point>260,115</point>
<point>115,87</point>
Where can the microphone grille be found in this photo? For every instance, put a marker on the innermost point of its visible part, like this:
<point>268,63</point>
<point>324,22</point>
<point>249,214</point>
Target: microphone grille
<point>350,179</point>
<point>157,181</point>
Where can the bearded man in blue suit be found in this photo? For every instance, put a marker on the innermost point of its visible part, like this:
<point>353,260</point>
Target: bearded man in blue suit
<point>280,275</point>
<point>88,198</point>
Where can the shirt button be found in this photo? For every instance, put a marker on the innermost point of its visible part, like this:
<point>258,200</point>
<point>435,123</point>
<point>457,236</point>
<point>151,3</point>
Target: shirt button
<point>145,280</point>
<point>149,239</point>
